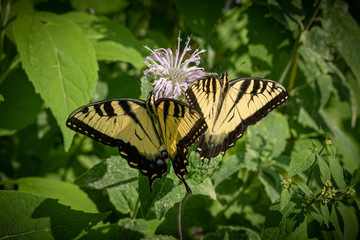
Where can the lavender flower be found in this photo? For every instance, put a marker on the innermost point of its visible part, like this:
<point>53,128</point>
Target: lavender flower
<point>173,73</point>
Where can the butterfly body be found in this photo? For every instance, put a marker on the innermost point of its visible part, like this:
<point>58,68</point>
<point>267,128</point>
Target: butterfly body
<point>128,124</point>
<point>228,107</point>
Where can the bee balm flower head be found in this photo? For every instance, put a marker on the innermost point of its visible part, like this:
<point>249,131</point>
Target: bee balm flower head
<point>173,73</point>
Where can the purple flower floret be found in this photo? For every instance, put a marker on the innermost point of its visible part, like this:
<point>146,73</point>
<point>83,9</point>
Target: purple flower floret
<point>172,72</point>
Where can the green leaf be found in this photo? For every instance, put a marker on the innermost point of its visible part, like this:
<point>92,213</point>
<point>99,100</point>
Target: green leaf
<point>112,41</point>
<point>200,21</point>
<point>60,62</point>
<point>351,224</point>
<point>324,169</point>
<point>233,164</point>
<point>346,32</point>
<point>325,213</point>
<point>29,216</point>
<point>334,219</point>
<point>268,136</point>
<point>145,87</point>
<point>301,161</point>
<point>344,144</point>
<point>232,232</point>
<point>271,182</point>
<point>112,172</point>
<point>124,229</point>
<point>100,7</point>
<point>284,198</point>
<point>320,41</point>
<point>290,223</point>
<point>305,189</point>
<point>21,104</point>
<point>124,197</point>
<point>67,193</point>
<point>289,13</point>
<point>198,171</point>
<point>337,172</point>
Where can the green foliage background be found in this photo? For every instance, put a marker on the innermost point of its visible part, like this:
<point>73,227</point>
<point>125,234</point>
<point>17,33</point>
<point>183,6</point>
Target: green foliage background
<point>294,175</point>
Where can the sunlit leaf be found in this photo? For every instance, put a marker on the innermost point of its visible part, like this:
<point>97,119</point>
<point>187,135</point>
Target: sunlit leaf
<point>67,193</point>
<point>34,217</point>
<point>111,172</point>
<point>112,41</point>
<point>62,70</point>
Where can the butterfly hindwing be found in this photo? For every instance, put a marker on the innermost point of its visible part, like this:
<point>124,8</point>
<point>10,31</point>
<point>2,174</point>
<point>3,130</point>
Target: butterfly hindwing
<point>180,127</point>
<point>230,106</point>
<point>127,125</point>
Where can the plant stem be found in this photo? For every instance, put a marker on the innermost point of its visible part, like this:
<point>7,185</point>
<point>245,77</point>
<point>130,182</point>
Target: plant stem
<point>179,220</point>
<point>136,209</point>
<point>294,54</point>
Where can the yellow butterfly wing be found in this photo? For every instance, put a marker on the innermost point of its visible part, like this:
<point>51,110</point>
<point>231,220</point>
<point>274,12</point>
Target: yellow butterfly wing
<point>230,106</point>
<point>180,127</point>
<point>127,125</point>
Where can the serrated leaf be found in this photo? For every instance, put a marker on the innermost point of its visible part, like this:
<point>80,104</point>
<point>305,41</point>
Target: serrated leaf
<point>351,224</point>
<point>60,62</point>
<point>290,223</point>
<point>337,172</point>
<point>124,197</point>
<point>301,161</point>
<point>111,172</point>
<point>324,169</point>
<point>112,41</point>
<point>284,198</point>
<point>268,136</point>
<point>34,217</point>
<point>67,193</point>
<point>21,104</point>
<point>305,189</point>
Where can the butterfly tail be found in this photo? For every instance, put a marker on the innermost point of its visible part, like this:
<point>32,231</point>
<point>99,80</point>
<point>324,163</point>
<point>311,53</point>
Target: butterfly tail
<point>179,164</point>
